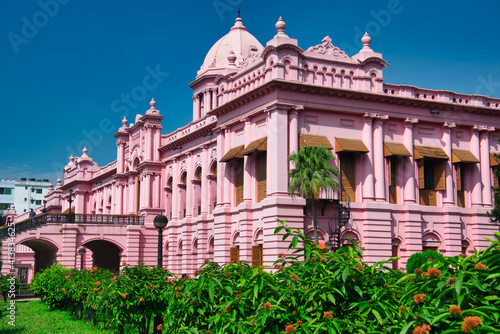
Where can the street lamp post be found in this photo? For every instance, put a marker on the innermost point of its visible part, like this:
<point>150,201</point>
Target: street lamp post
<point>160,222</point>
<point>44,206</point>
<point>70,200</point>
<point>81,252</point>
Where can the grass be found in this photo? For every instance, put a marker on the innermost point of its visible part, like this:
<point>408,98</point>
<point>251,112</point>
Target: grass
<point>34,317</point>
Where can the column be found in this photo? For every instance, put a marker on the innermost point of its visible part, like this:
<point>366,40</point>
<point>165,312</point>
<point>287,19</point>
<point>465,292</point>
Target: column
<point>149,142</point>
<point>227,170</point>
<point>249,162</point>
<point>206,102</point>
<point>119,158</point>
<point>119,199</point>
<point>189,185</point>
<point>378,158</point>
<point>294,129</point>
<point>157,139</point>
<point>214,98</point>
<point>205,191</point>
<point>175,191</point>
<point>475,170</point>
<point>195,107</point>
<point>277,152</point>
<point>448,198</point>
<point>409,169</point>
<point>368,184</point>
<point>484,143</point>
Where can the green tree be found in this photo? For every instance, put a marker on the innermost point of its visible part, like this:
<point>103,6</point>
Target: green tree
<point>311,175</point>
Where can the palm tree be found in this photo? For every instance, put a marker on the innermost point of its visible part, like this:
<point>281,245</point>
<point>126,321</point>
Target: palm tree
<point>311,175</point>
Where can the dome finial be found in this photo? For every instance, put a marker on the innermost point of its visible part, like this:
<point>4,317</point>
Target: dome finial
<point>366,40</point>
<point>84,151</point>
<point>238,24</point>
<point>280,26</point>
<point>232,59</point>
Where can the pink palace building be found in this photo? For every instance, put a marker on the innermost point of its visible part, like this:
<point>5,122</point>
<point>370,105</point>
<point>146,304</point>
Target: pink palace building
<point>416,166</point>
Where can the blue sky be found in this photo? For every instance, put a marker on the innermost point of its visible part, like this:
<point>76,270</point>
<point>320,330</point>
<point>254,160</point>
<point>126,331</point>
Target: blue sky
<point>66,66</point>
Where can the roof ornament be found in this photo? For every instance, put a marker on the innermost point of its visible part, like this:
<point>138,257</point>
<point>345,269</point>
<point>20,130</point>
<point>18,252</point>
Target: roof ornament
<point>366,40</point>
<point>239,13</point>
<point>85,150</point>
<point>232,59</point>
<point>124,121</point>
<point>152,109</point>
<point>280,26</point>
<point>238,24</point>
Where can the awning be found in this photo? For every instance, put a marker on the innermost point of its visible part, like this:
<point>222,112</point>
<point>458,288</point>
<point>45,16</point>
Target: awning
<point>464,156</point>
<point>258,145</point>
<point>233,153</point>
<point>494,160</point>
<point>395,149</point>
<point>429,152</point>
<point>314,141</point>
<point>350,145</point>
<point>65,212</point>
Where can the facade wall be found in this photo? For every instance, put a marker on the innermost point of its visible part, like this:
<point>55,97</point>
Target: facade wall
<point>416,170</point>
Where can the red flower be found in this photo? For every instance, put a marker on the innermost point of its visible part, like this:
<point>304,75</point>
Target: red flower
<point>159,327</point>
<point>97,283</point>
<point>114,278</point>
<point>124,296</point>
<point>455,310</point>
<point>322,246</point>
<point>419,298</point>
<point>63,289</point>
<point>433,272</point>
<point>421,329</point>
<point>267,306</point>
<point>141,300</point>
<point>290,329</point>
<point>95,289</point>
<point>294,277</point>
<point>177,294</point>
<point>328,315</point>
<point>480,266</point>
<point>124,263</point>
<point>471,323</point>
<point>323,260</point>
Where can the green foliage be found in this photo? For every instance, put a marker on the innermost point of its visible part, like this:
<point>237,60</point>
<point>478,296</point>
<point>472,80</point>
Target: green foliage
<point>416,260</point>
<point>310,291</point>
<point>311,175</point>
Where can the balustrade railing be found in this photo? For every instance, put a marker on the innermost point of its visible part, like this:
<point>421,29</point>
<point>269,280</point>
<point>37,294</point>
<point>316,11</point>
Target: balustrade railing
<point>65,218</point>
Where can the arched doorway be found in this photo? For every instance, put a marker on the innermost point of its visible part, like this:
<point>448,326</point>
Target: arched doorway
<point>104,254</point>
<point>45,253</point>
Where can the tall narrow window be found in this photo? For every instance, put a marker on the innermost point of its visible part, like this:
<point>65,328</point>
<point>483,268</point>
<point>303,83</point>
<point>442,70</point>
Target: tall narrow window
<point>234,254</point>
<point>347,177</point>
<point>238,180</point>
<point>261,176</point>
<point>459,168</point>
<point>392,165</point>
<point>431,178</point>
<point>257,256</point>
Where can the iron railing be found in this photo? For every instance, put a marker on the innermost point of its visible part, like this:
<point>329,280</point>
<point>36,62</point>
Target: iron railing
<point>64,218</point>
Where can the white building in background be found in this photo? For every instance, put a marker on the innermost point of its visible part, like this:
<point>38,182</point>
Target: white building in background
<point>6,193</point>
<point>29,193</point>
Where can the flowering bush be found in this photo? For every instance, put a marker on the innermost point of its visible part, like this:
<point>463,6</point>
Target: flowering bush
<point>310,291</point>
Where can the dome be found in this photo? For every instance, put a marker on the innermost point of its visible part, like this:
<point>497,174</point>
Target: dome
<point>239,41</point>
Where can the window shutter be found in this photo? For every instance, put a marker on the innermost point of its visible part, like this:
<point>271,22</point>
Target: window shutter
<point>391,170</point>
<point>257,258</point>
<point>234,255</point>
<point>495,178</point>
<point>439,176</point>
<point>458,168</point>
<point>261,176</point>
<point>421,183</point>
<point>348,178</point>
<point>238,180</point>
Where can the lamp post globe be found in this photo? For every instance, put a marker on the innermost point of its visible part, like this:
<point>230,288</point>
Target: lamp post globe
<point>160,222</point>
<point>81,252</point>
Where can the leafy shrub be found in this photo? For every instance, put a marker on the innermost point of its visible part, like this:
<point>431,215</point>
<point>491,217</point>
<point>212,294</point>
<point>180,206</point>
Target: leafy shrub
<point>418,259</point>
<point>309,291</point>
